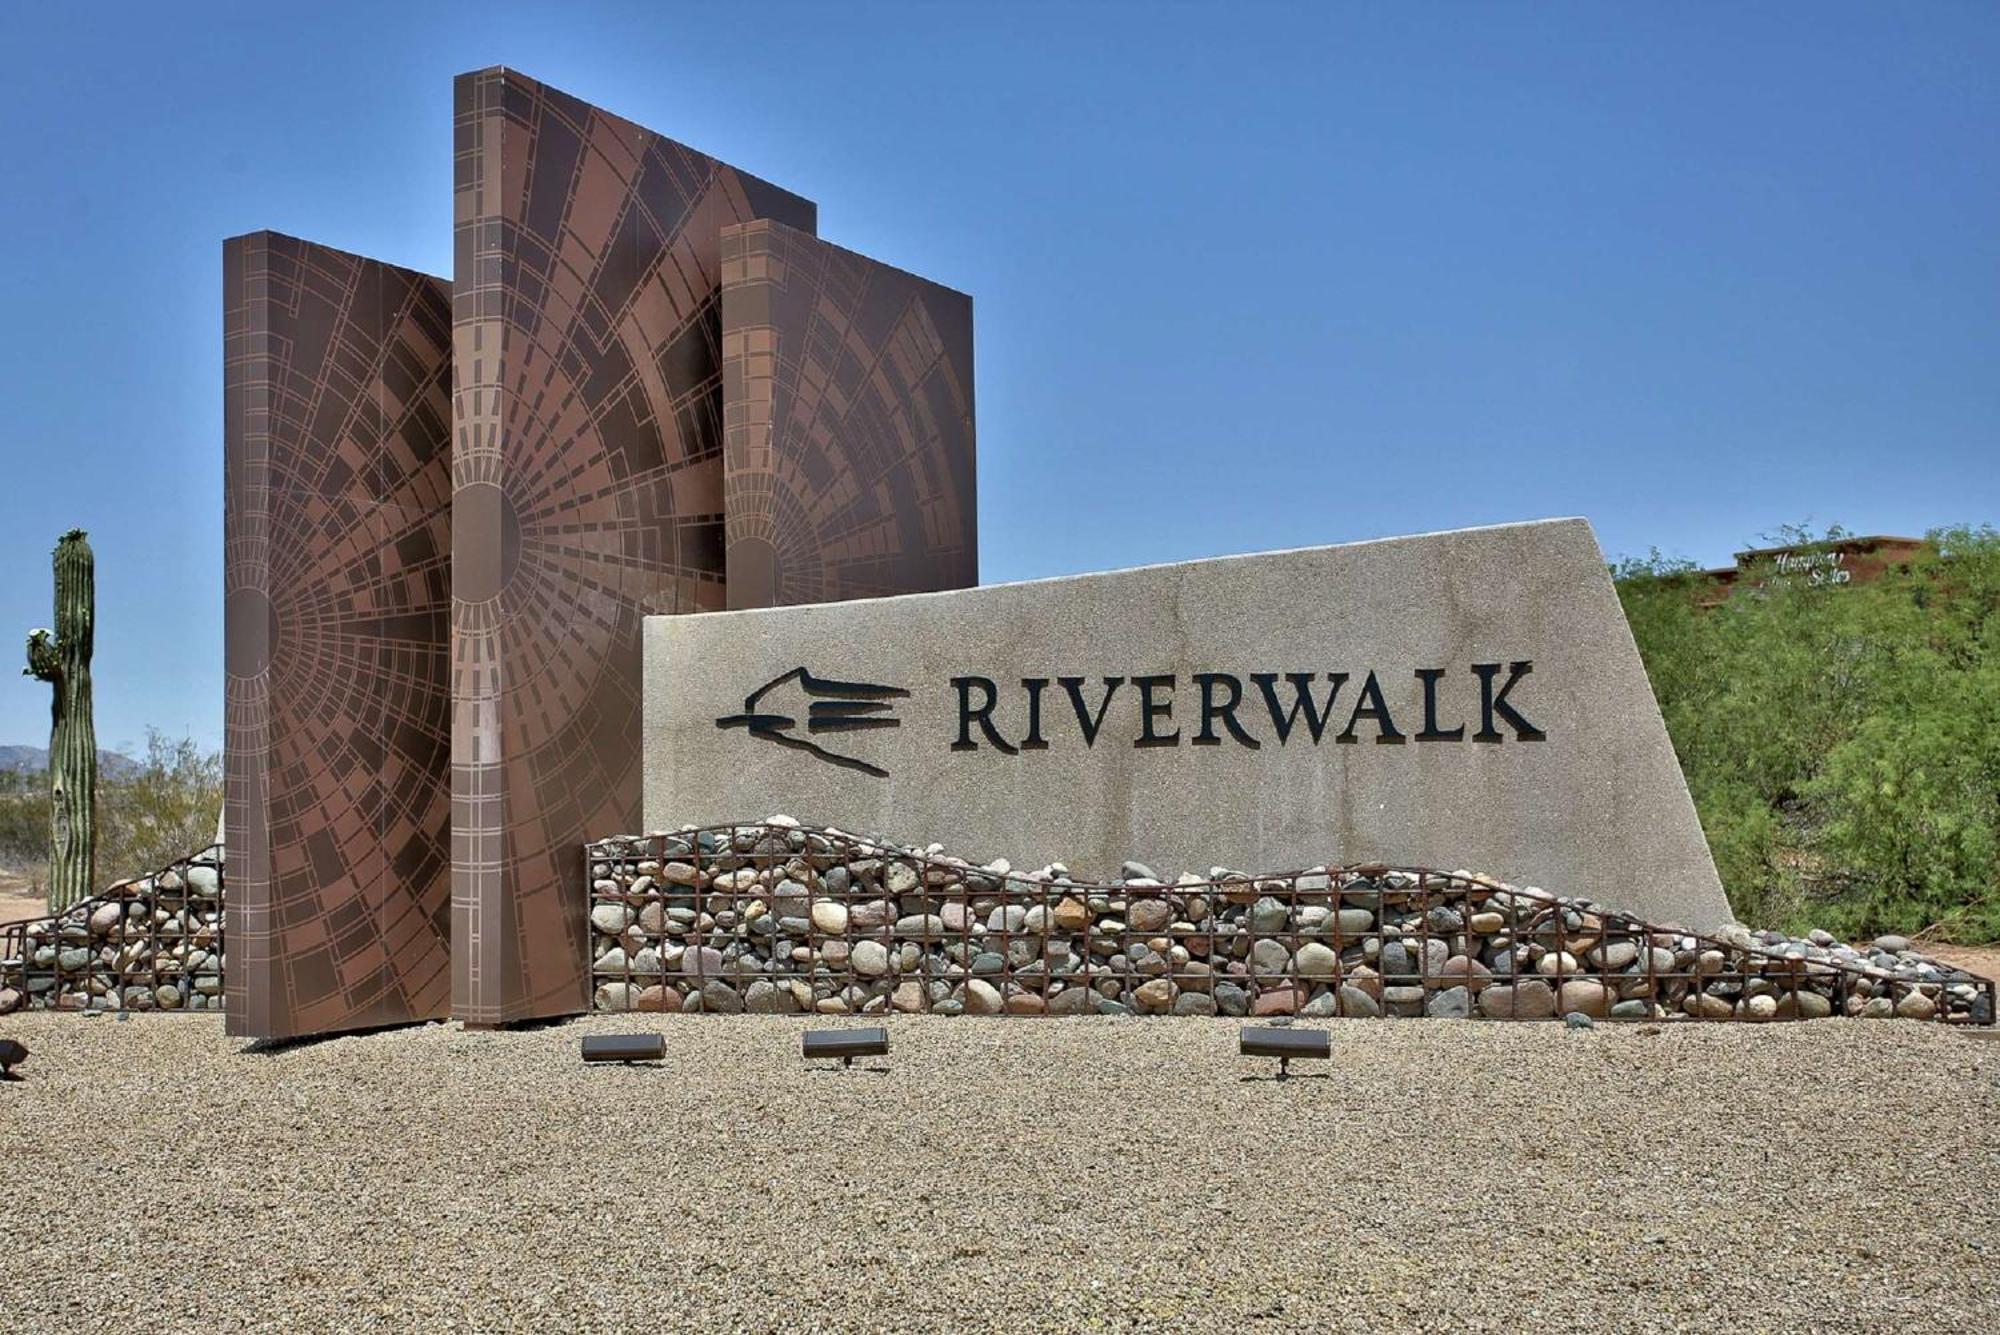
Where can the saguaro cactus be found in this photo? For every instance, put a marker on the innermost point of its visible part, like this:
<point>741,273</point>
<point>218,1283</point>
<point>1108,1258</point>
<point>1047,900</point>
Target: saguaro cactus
<point>63,660</point>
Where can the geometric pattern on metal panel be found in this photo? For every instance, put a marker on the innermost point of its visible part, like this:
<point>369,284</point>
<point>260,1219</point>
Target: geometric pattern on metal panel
<point>849,454</point>
<point>587,483</point>
<point>337,600</point>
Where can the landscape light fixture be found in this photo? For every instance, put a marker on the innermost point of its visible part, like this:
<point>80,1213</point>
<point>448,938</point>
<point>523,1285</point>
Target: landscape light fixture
<point>626,1048</point>
<point>847,1044</point>
<point>12,1054</point>
<point>1285,1045</point>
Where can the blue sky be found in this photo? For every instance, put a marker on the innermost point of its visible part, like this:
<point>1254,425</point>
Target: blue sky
<point>1245,277</point>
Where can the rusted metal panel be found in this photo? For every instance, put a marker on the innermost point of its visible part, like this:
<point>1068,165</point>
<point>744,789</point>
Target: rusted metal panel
<point>337,598</point>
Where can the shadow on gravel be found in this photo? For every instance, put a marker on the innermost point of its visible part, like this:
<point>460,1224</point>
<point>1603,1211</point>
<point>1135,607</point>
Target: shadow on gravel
<point>1283,1079</point>
<point>271,1047</point>
<point>525,1026</point>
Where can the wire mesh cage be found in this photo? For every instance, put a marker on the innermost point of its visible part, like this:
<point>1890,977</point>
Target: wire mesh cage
<point>151,943</point>
<point>785,918</point>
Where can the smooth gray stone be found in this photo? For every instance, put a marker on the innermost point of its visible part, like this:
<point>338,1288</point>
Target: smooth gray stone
<point>1453,1003</point>
<point>1356,1004</point>
<point>1231,999</point>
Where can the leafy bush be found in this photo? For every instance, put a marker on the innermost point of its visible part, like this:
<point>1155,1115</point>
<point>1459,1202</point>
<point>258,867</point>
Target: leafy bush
<point>164,809</point>
<point>24,821</point>
<point>1842,743</point>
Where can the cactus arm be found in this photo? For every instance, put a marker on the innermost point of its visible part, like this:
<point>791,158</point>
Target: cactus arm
<point>44,663</point>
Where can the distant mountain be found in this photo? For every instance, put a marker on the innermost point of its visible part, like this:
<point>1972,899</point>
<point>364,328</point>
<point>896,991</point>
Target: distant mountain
<point>35,759</point>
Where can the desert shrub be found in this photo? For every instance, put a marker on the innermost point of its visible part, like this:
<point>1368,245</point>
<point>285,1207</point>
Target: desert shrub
<point>162,809</point>
<point>24,819</point>
<point>1841,743</point>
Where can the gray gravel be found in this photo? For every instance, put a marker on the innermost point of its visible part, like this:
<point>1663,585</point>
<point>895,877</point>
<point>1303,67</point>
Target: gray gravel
<point>1003,1174</point>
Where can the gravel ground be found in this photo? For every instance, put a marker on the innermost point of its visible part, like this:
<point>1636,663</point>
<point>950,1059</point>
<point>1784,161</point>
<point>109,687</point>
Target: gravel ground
<point>1003,1174</point>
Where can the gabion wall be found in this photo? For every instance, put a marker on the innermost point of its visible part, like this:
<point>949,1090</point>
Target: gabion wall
<point>154,943</point>
<point>778,917</point>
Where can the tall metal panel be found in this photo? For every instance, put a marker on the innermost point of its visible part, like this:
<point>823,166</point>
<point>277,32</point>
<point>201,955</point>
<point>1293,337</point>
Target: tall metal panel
<point>337,597</point>
<point>587,494</point>
<point>849,446</point>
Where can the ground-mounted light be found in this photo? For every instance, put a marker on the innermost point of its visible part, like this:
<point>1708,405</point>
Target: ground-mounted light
<point>1287,1045</point>
<point>846,1044</point>
<point>624,1048</point>
<point>12,1054</point>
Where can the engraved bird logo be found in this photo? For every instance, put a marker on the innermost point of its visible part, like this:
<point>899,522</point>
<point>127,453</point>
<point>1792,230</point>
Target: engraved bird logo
<point>834,706</point>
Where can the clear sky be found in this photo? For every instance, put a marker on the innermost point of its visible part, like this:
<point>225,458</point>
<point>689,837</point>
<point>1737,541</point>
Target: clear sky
<point>1245,277</point>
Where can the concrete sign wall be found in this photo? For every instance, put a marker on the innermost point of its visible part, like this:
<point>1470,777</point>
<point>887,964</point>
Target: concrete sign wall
<point>1470,699</point>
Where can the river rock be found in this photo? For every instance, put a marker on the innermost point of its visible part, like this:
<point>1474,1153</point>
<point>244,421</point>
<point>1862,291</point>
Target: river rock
<point>702,961</point>
<point>719,998</point>
<point>1268,915</point>
<point>982,998</point>
<point>1615,954</point>
<point>1453,1003</point>
<point>1532,999</point>
<point>1270,956</point>
<point>615,997</point>
<point>1464,971</point>
<point>1706,1006</point>
<point>1406,999</point>
<point>1584,996</point>
<point>1355,1004</point>
<point>870,959</point>
<point>1277,1001</point>
<point>1073,1001</point>
<point>1316,960</point>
